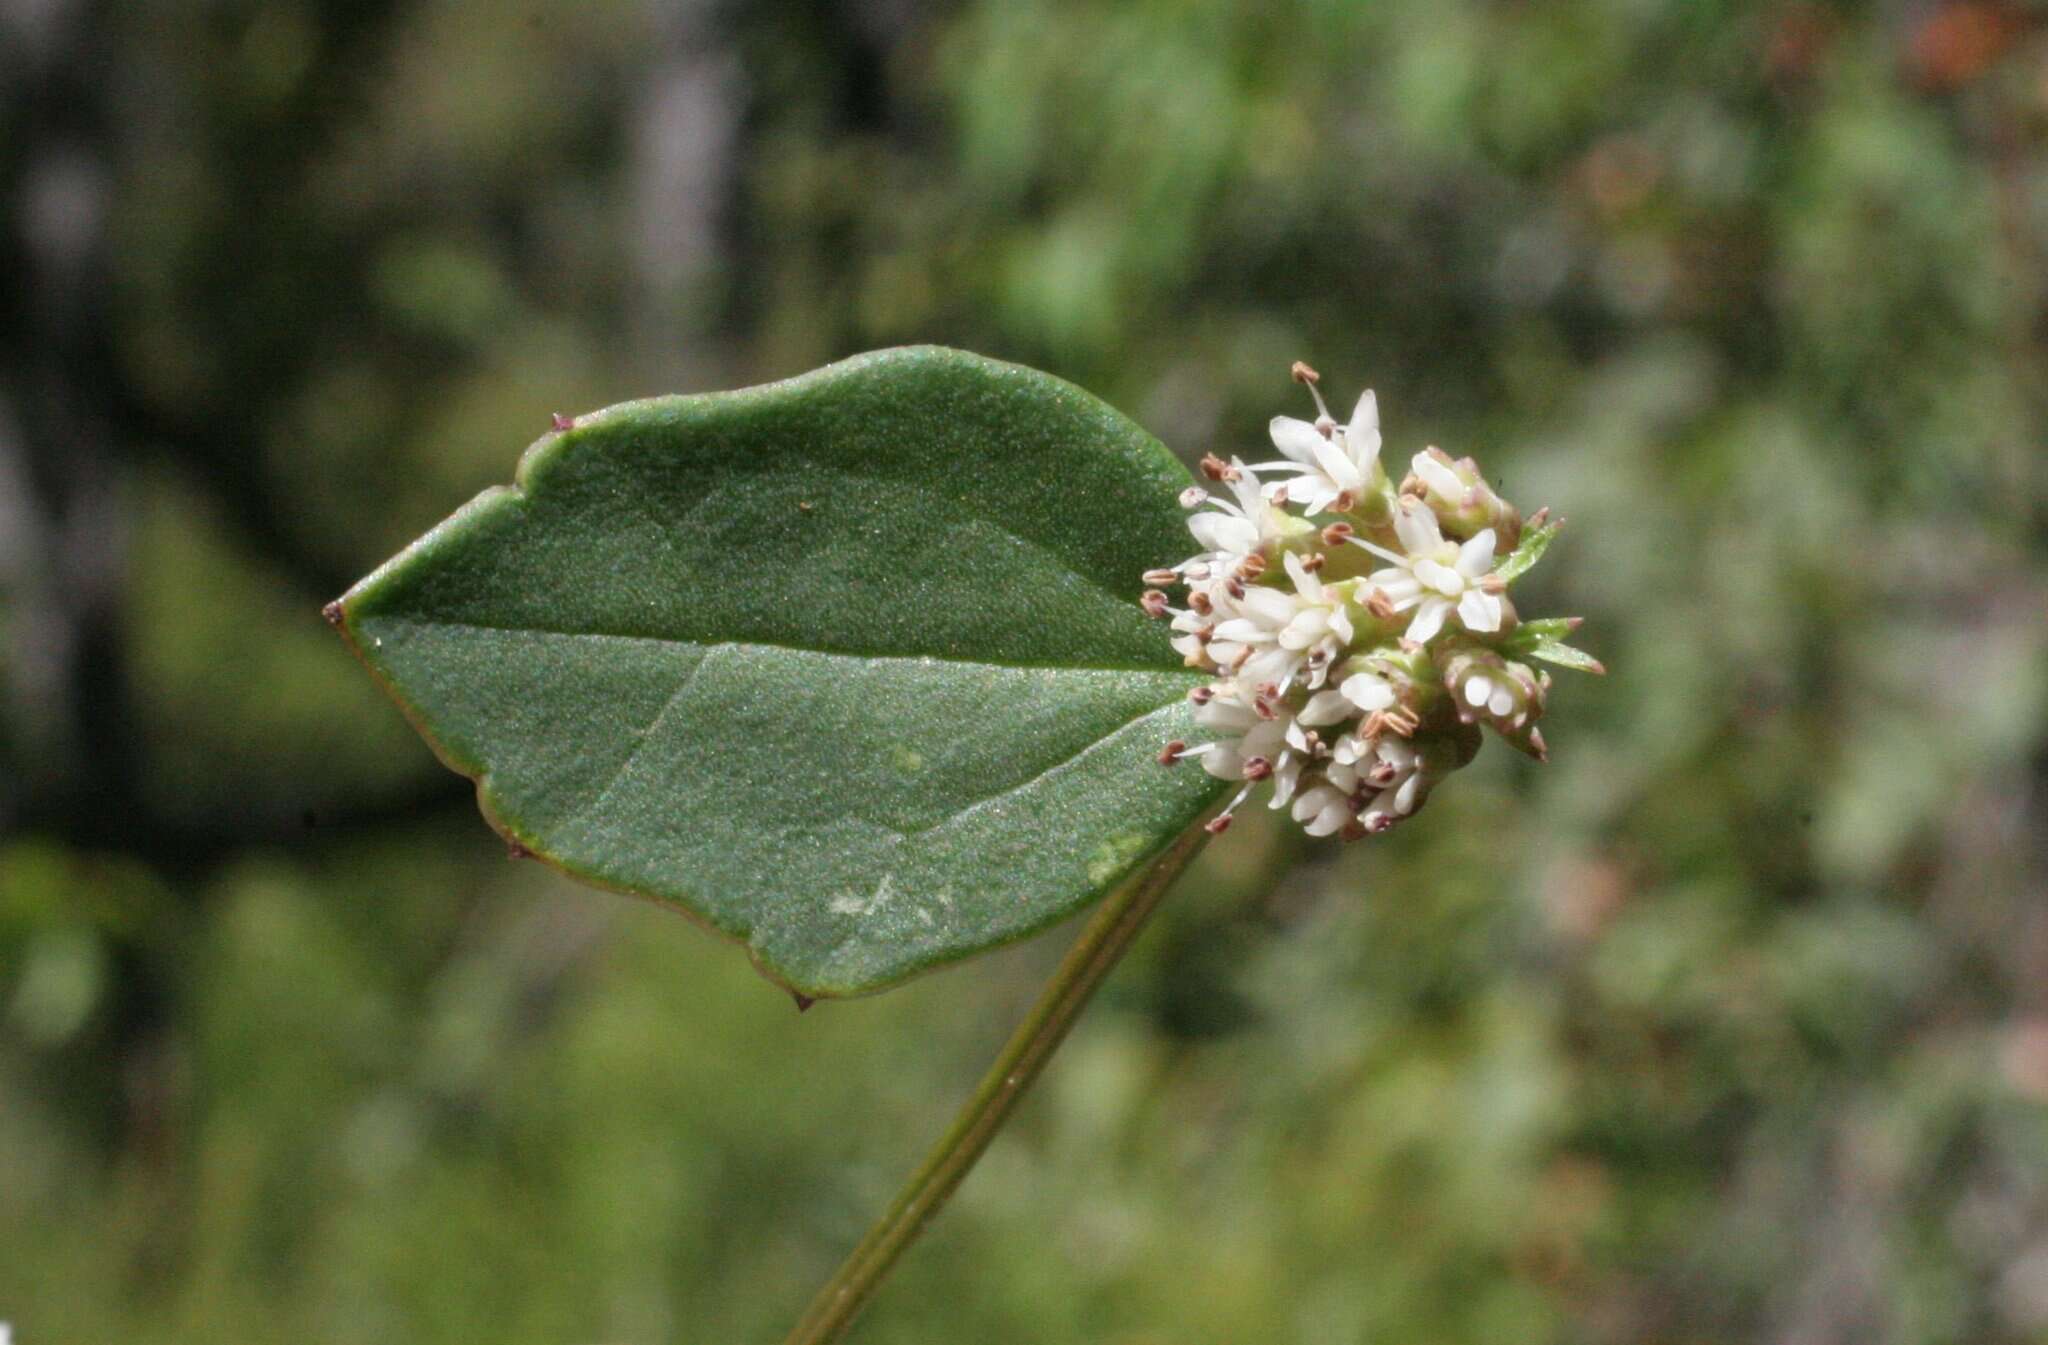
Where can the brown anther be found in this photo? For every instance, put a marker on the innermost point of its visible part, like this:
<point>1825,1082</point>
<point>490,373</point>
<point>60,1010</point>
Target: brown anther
<point>1170,754</point>
<point>1492,583</point>
<point>1214,467</point>
<point>1234,587</point>
<point>1244,656</point>
<point>1382,775</point>
<point>563,423</point>
<point>1304,375</point>
<point>1411,484</point>
<point>1199,602</point>
<point>1202,695</point>
<point>1279,497</point>
<point>1403,722</point>
<point>1257,768</point>
<point>1160,578</point>
<point>1326,427</point>
<point>1337,534</point>
<point>331,613</point>
<point>1263,708</point>
<point>1154,603</point>
<point>1270,690</point>
<point>1379,604</point>
<point>1346,501</point>
<point>1313,561</point>
<point>1251,567</point>
<point>1216,826</point>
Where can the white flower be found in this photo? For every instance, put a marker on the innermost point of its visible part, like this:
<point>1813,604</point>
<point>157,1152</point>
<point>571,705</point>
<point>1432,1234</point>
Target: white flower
<point>1333,465</point>
<point>1310,627</point>
<point>1436,576</point>
<point>1230,532</point>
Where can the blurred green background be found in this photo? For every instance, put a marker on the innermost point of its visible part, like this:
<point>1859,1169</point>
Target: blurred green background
<point>1731,1024</point>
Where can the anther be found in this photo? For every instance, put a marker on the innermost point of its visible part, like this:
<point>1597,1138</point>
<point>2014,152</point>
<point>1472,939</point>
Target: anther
<point>1214,467</point>
<point>1304,375</point>
<point>1160,578</point>
<point>1252,566</point>
<point>1171,752</point>
<point>1193,496</point>
<point>1202,695</point>
<point>1199,601</point>
<point>1313,561</point>
<point>1492,583</point>
<point>1234,587</point>
<point>1216,826</point>
<point>1337,534</point>
<point>1345,502</point>
<point>1257,768</point>
<point>1379,604</point>
<point>1154,603</point>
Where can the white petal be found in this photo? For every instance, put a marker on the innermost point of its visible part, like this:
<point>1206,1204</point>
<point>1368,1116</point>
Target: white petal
<point>1437,477</point>
<point>1224,762</point>
<point>1406,797</point>
<point>1338,466</point>
<point>1362,435</point>
<point>1479,611</point>
<point>1476,556</point>
<point>1367,691</point>
<point>1242,630</point>
<point>1226,715</point>
<point>1305,582</point>
<point>1329,821</point>
<point>1442,578</point>
<point>1415,524</point>
<point>1268,606</point>
<point>1296,438</point>
<point>1502,702</point>
<point>1429,619</point>
<point>1340,626</point>
<point>1326,707</point>
<point>1224,532</point>
<point>1305,629</point>
<point>1477,689</point>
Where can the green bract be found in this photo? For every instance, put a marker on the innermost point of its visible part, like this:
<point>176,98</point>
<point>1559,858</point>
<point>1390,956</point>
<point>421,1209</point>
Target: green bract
<point>849,667</point>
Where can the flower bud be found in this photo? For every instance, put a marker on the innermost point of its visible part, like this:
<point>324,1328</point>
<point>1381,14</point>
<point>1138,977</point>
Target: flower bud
<point>1462,501</point>
<point>1488,689</point>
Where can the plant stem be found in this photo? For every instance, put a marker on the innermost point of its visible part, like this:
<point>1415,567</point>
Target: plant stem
<point>1102,944</point>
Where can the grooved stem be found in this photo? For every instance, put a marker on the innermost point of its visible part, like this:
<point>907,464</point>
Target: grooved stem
<point>1102,944</point>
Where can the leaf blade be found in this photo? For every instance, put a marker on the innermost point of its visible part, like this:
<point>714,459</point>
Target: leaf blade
<point>725,625</point>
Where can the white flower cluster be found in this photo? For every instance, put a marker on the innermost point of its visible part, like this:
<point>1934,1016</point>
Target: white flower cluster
<point>1359,630</point>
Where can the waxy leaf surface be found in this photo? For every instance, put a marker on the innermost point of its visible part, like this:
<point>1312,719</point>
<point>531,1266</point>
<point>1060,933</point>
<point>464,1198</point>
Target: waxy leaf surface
<point>849,667</point>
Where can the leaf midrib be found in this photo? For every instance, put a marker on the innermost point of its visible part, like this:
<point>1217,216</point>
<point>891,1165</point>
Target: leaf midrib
<point>1153,670</point>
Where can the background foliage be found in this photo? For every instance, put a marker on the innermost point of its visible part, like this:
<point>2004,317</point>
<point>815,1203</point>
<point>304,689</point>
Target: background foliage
<point>1726,1026</point>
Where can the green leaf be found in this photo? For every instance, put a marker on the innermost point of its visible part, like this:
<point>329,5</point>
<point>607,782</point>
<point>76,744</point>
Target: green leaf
<point>1554,651</point>
<point>1535,541</point>
<point>848,667</point>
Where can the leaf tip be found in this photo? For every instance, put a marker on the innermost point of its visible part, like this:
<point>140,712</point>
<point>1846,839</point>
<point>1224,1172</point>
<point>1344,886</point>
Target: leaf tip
<point>563,424</point>
<point>517,851</point>
<point>803,1001</point>
<point>332,613</point>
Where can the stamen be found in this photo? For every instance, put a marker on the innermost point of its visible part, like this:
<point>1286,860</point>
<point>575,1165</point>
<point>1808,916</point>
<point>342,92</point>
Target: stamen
<point>1154,603</point>
<point>1234,587</point>
<point>1257,768</point>
<point>1345,502</point>
<point>1202,695</point>
<point>1161,578</point>
<point>1171,752</point>
<point>1193,496</point>
<point>1337,534</point>
<point>1313,561</point>
<point>1492,583</point>
<point>1252,566</point>
<point>1200,602</point>
<point>1214,467</point>
<point>1379,604</point>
